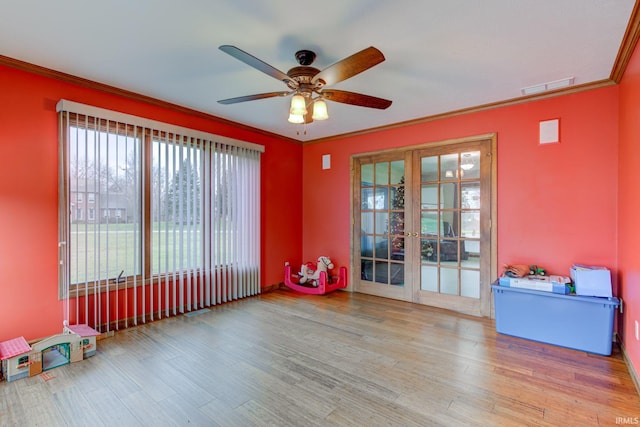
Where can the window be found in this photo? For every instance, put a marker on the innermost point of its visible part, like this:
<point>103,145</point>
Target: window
<point>179,216</point>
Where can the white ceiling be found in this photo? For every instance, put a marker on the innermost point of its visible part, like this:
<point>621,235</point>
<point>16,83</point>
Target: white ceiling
<point>441,56</point>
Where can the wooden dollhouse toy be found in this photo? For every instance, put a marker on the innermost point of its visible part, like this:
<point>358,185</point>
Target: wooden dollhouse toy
<point>14,359</point>
<point>19,360</point>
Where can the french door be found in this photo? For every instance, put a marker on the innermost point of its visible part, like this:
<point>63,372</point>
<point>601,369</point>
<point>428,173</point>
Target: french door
<point>422,224</point>
<point>381,205</point>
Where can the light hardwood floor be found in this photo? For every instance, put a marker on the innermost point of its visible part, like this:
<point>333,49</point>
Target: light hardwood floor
<point>285,359</point>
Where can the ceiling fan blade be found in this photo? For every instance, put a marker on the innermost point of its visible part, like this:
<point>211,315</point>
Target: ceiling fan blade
<point>257,64</point>
<point>349,67</point>
<point>252,97</point>
<point>355,99</point>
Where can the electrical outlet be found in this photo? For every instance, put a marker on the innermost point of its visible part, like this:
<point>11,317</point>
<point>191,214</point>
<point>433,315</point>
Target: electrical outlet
<point>637,331</point>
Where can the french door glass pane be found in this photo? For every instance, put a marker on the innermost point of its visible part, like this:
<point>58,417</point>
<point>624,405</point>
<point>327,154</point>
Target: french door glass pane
<point>470,195</point>
<point>429,223</point>
<point>366,269</point>
<point>429,278</point>
<point>382,222</point>
<point>428,251</point>
<point>449,281</point>
<point>366,175</point>
<point>381,201</point>
<point>470,224</point>
<point>449,195</point>
<point>382,173</point>
<point>367,198</point>
<point>470,283</point>
<point>449,167</point>
<point>472,253</point>
<point>366,249</point>
<point>382,248</point>
<point>397,274</point>
<point>382,272</point>
<point>366,222</point>
<point>429,199</point>
<point>429,169</point>
<point>397,172</point>
<point>470,164</point>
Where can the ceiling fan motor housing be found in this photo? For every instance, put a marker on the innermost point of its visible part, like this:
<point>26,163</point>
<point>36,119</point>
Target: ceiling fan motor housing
<point>305,57</point>
<point>303,74</point>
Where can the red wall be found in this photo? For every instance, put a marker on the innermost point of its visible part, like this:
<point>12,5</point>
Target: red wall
<point>629,206</point>
<point>29,303</point>
<point>556,203</point>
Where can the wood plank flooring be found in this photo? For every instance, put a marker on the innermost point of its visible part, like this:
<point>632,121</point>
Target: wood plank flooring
<point>285,359</point>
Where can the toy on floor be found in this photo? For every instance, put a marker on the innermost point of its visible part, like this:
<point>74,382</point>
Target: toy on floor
<point>310,273</point>
<point>324,282</point>
<point>19,360</point>
<point>14,359</point>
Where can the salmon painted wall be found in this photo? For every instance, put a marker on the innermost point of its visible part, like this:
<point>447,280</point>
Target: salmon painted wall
<point>629,206</point>
<point>556,203</point>
<point>29,303</point>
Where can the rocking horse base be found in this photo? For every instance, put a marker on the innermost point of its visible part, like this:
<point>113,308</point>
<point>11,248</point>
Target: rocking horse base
<point>323,286</point>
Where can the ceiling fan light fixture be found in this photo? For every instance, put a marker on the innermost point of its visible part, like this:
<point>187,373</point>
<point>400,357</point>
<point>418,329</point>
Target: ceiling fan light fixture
<point>320,110</point>
<point>296,119</point>
<point>298,105</point>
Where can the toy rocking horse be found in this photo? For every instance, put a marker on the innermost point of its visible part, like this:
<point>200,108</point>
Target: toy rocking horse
<point>315,279</point>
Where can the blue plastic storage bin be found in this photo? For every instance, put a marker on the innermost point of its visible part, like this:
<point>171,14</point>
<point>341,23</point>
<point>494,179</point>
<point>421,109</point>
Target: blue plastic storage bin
<point>577,322</point>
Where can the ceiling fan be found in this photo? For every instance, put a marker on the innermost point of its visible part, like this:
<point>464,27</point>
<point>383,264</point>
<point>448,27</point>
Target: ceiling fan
<point>308,84</point>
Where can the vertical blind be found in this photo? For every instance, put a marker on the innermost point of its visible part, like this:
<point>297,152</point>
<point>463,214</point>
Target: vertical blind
<point>155,219</point>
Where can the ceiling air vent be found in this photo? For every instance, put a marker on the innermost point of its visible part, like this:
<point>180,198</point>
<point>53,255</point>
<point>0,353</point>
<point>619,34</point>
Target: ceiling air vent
<point>544,87</point>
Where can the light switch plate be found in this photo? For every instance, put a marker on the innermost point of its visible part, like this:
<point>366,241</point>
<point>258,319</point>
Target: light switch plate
<point>326,161</point>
